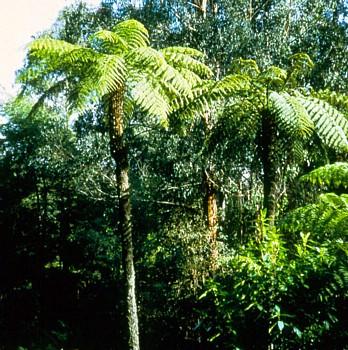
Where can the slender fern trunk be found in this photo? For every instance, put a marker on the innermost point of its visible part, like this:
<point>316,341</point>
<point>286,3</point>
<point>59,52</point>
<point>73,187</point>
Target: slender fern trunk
<point>120,154</point>
<point>210,200</point>
<point>267,149</point>
<point>211,213</point>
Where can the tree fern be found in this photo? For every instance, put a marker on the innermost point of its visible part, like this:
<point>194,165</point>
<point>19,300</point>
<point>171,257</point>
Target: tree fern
<point>119,69</point>
<point>287,119</point>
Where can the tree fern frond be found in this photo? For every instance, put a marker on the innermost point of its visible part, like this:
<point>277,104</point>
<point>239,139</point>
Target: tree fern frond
<point>273,76</point>
<point>46,46</point>
<point>55,89</point>
<point>297,151</point>
<point>133,33</point>
<point>33,73</point>
<point>147,60</point>
<point>327,217</point>
<point>172,51</point>
<point>300,65</point>
<point>82,91</point>
<point>179,58</point>
<point>292,115</point>
<point>230,85</point>
<point>335,201</point>
<point>147,95</point>
<point>334,98</point>
<point>50,55</point>
<point>128,106</point>
<point>192,78</point>
<point>111,42</point>
<point>112,72</point>
<point>246,67</point>
<point>186,106</point>
<point>330,124</point>
<point>332,175</point>
<point>205,94</point>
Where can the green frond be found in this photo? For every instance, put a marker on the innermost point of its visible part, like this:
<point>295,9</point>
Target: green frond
<point>128,106</point>
<point>273,76</point>
<point>331,125</point>
<point>33,72</point>
<point>230,85</point>
<point>147,94</point>
<point>292,115</point>
<point>145,57</point>
<point>48,56</point>
<point>148,61</point>
<point>82,93</point>
<point>47,46</point>
<point>110,41</point>
<point>81,55</point>
<point>331,175</point>
<point>182,58</point>
<point>187,106</point>
<point>329,217</point>
<point>334,98</point>
<point>53,90</point>
<point>112,72</point>
<point>174,50</point>
<point>133,33</point>
<point>300,64</point>
<point>207,93</point>
<point>297,151</point>
<point>246,67</point>
<point>192,78</point>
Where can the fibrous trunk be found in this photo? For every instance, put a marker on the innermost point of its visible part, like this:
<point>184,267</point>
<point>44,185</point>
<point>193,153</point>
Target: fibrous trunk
<point>210,198</point>
<point>269,164</point>
<point>211,212</point>
<point>120,155</point>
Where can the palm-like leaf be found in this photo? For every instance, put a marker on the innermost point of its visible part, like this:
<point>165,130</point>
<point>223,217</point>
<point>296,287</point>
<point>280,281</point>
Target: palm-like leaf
<point>185,58</point>
<point>292,115</point>
<point>300,116</point>
<point>208,92</point>
<point>332,175</point>
<point>331,125</point>
<point>133,33</point>
<point>117,60</point>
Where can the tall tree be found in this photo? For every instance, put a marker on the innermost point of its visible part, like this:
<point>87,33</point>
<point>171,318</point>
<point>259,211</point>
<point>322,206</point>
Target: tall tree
<point>119,68</point>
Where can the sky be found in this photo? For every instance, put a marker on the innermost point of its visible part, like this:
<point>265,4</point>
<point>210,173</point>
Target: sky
<point>19,21</point>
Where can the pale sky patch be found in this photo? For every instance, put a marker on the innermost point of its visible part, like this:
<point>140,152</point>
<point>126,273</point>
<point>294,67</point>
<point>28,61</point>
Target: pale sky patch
<point>19,21</point>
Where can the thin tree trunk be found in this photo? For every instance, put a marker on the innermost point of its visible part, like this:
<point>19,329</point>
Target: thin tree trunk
<point>120,154</point>
<point>210,208</point>
<point>268,136</point>
<point>210,200</point>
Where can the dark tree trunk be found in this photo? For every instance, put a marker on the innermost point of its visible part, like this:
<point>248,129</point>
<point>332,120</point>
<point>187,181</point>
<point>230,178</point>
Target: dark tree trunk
<point>269,164</point>
<point>210,199</point>
<point>120,154</point>
<point>210,208</point>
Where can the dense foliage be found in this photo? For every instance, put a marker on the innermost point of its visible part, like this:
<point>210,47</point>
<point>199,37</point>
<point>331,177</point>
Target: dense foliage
<point>236,139</point>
